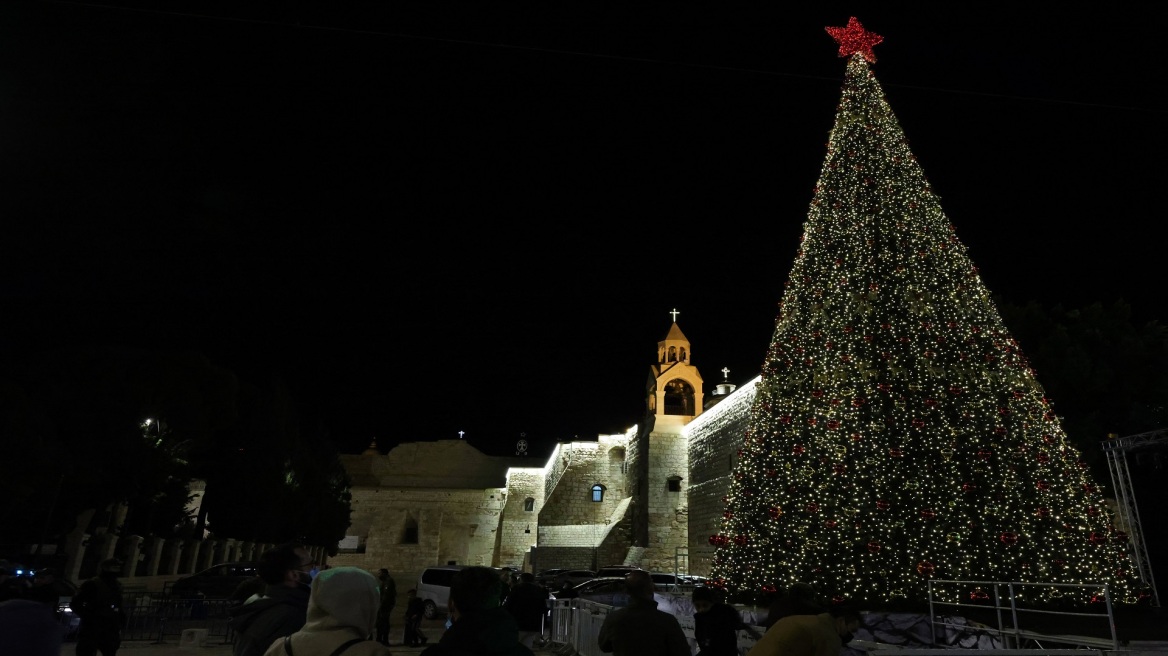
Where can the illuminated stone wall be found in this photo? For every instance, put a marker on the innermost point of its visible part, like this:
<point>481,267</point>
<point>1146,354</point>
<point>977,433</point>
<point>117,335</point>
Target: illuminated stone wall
<point>452,525</point>
<point>519,527</point>
<point>714,439</point>
<point>585,464</point>
<point>666,510</point>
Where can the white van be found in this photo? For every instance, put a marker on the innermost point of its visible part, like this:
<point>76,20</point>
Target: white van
<point>434,588</point>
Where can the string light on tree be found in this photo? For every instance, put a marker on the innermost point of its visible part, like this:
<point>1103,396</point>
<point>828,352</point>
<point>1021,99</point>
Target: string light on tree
<point>898,433</point>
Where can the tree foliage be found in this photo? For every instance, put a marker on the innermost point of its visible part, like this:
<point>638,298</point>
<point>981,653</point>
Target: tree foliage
<point>97,427</point>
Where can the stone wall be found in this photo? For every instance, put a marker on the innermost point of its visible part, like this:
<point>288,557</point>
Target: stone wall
<point>587,463</point>
<point>714,439</point>
<point>519,528</point>
<point>453,525</point>
<point>667,510</point>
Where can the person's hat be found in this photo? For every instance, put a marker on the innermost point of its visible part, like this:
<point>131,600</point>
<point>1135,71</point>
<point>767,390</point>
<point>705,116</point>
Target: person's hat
<point>111,565</point>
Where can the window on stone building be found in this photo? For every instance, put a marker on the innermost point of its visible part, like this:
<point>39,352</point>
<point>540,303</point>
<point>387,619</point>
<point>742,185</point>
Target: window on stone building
<point>529,504</point>
<point>410,532</point>
<point>674,484</point>
<point>598,492</point>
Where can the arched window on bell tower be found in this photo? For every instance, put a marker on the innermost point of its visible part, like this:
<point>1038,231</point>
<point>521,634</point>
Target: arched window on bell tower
<point>679,397</point>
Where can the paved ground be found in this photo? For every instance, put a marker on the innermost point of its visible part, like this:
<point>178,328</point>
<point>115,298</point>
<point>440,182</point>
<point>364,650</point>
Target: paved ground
<point>432,629</point>
<point>135,648</point>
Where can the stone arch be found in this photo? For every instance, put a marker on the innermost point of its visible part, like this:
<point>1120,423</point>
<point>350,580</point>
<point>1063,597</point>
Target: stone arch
<point>616,460</point>
<point>679,397</point>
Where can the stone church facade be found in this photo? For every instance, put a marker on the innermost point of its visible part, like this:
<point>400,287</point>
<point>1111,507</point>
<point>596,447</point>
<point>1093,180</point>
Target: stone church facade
<point>650,497</point>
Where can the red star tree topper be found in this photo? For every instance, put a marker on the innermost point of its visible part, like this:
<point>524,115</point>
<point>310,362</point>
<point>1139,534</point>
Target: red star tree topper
<point>854,39</point>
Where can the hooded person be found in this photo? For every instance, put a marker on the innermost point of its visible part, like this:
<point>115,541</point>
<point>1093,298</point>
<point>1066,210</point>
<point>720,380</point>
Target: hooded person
<point>342,614</point>
<point>479,625</point>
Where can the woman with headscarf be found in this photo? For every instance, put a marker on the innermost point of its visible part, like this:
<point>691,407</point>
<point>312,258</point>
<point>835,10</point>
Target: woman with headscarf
<point>342,614</point>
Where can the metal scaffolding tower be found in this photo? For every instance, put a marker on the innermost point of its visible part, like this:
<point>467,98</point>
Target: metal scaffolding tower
<point>1116,448</point>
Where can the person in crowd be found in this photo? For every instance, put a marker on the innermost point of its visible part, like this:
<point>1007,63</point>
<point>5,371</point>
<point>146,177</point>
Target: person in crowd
<point>716,624</point>
<point>800,599</point>
<point>388,589</point>
<point>287,570</point>
<point>504,585</point>
<point>44,589</point>
<point>342,615</point>
<point>809,635</point>
<point>98,604</point>
<point>243,593</point>
<point>640,629</point>
<point>527,603</point>
<point>479,625</point>
<point>29,628</point>
<point>415,611</point>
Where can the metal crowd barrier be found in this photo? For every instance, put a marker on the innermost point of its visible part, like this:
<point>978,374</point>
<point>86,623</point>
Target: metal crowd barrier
<point>1011,598</point>
<point>162,620</point>
<point>575,625</point>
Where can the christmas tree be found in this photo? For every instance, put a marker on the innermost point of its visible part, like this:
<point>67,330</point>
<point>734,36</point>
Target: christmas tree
<point>898,434</point>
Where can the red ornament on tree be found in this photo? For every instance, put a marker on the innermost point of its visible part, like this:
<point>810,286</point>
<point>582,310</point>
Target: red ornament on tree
<point>874,546</point>
<point>1008,538</point>
<point>925,568</point>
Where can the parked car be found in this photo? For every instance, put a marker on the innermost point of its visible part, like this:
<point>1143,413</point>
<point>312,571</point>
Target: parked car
<point>665,581</point>
<point>547,577</point>
<point>216,582</point>
<point>572,577</point>
<point>609,590</point>
<point>617,570</point>
<point>433,589</point>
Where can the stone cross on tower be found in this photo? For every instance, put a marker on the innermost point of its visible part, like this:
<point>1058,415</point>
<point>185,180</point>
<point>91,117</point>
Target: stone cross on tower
<point>675,313</point>
<point>725,373</point>
<point>460,434</point>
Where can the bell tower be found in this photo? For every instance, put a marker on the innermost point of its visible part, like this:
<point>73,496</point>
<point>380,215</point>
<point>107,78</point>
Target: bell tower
<point>674,394</point>
<point>660,454</point>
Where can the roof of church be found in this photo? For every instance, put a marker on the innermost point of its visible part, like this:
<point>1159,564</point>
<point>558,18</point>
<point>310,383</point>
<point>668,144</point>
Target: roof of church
<point>675,334</point>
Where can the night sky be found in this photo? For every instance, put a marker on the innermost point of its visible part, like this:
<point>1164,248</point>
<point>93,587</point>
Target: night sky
<point>471,219</point>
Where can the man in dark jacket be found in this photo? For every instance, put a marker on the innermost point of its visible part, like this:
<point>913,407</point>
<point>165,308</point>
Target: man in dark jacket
<point>388,591</point>
<point>639,629</point>
<point>287,570</point>
<point>98,603</point>
<point>716,624</point>
<point>479,625</point>
<point>527,603</point>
